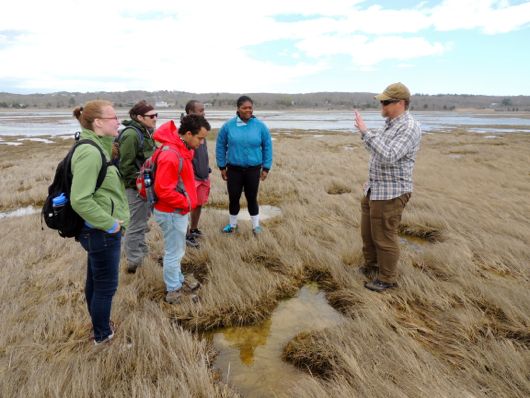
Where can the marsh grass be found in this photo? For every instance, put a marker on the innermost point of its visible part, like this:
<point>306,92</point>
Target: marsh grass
<point>457,326</point>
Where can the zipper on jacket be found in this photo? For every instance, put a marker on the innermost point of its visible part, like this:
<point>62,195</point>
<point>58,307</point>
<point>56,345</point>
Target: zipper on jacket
<point>111,207</point>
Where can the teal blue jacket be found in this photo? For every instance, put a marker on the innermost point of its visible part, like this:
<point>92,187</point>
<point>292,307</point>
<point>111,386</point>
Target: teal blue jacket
<point>244,144</point>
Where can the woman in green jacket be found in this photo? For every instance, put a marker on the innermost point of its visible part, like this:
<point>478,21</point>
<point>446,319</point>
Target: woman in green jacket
<point>136,145</point>
<point>104,210</point>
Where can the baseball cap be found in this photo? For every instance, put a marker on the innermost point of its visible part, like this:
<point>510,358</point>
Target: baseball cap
<point>394,91</point>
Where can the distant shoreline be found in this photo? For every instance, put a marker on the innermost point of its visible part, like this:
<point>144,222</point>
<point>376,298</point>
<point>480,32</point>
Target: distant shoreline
<point>333,101</point>
<point>293,110</point>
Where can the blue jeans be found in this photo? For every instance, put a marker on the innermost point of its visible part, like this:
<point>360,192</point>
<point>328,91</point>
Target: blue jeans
<point>103,263</point>
<point>174,228</point>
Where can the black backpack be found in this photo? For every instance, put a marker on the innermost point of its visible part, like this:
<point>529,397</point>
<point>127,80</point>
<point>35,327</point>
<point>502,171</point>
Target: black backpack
<point>64,219</point>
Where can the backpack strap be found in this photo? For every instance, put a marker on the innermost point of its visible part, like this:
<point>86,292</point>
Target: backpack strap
<point>140,135</point>
<point>104,163</point>
<point>168,148</point>
<point>180,184</point>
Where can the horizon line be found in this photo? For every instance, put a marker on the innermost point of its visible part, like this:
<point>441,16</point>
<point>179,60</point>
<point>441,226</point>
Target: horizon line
<point>258,92</point>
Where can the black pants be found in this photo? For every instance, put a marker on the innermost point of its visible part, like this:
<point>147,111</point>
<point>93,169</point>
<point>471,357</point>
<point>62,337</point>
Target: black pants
<point>239,179</point>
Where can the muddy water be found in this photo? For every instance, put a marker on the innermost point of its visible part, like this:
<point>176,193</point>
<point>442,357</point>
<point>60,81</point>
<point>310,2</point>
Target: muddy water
<point>250,356</point>
<point>414,243</point>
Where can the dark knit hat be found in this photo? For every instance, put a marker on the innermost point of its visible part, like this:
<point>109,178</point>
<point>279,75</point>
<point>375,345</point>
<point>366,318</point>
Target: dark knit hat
<point>140,109</point>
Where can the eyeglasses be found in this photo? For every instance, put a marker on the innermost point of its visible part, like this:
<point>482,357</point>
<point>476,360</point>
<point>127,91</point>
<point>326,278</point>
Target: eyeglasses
<point>108,118</point>
<point>388,102</point>
<point>151,116</point>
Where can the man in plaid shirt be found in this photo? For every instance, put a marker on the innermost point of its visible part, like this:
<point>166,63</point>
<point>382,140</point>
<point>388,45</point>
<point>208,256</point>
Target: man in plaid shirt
<point>388,189</point>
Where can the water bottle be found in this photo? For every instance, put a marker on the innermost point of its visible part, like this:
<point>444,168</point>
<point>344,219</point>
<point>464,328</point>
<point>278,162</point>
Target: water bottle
<point>148,188</point>
<point>59,202</point>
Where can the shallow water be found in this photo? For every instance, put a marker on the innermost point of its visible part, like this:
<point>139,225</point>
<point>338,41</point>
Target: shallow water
<point>265,212</point>
<point>250,356</point>
<point>53,123</point>
<point>23,211</point>
<point>414,243</point>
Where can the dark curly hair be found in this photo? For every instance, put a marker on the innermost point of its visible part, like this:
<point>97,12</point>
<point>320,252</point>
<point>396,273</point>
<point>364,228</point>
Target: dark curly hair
<point>193,124</point>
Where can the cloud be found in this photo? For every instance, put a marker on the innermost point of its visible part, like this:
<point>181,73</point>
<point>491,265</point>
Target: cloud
<point>120,45</point>
<point>490,16</point>
<point>367,52</point>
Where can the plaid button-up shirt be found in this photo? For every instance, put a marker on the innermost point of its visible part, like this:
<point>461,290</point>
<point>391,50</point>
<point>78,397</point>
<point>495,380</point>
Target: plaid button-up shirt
<point>392,155</point>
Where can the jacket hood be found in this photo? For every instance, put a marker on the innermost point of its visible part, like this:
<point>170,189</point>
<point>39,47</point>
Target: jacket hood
<point>167,134</point>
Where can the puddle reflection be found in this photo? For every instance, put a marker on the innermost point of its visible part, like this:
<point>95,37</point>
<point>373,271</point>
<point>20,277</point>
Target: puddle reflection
<point>250,356</point>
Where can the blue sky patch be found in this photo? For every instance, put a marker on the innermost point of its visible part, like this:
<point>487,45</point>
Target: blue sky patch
<point>295,17</point>
<point>281,52</point>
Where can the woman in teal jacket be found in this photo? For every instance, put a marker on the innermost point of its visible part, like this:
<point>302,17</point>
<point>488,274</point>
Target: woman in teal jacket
<point>104,210</point>
<point>244,156</point>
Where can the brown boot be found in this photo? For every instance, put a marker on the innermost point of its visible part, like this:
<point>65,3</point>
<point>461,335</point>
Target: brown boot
<point>190,283</point>
<point>174,297</point>
<point>369,271</point>
<point>379,286</point>
<point>131,268</point>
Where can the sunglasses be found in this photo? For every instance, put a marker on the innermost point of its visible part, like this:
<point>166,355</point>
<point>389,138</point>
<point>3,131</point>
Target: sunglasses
<point>151,116</point>
<point>388,102</point>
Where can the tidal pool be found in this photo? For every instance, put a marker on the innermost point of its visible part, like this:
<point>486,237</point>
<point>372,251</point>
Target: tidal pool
<point>250,356</point>
<point>414,243</point>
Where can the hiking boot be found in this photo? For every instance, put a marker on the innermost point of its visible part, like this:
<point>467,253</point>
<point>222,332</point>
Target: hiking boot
<point>196,233</point>
<point>258,230</point>
<point>190,283</point>
<point>369,271</point>
<point>131,268</point>
<point>229,229</point>
<point>191,241</point>
<point>379,286</point>
<point>174,297</point>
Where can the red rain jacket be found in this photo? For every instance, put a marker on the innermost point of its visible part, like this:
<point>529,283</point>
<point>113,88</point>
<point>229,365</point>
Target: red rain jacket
<point>167,172</point>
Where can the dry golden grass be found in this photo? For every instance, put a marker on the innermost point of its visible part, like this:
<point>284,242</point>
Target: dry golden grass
<point>458,326</point>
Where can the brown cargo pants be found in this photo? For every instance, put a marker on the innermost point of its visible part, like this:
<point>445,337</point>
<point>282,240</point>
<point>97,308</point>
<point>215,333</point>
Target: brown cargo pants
<point>379,229</point>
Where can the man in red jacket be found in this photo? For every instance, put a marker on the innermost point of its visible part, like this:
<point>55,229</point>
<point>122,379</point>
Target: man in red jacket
<point>176,194</point>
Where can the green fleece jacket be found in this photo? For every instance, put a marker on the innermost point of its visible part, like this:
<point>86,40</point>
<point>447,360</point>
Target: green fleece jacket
<point>131,155</point>
<point>103,207</point>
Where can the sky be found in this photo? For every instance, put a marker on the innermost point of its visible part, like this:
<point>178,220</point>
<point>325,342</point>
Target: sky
<point>279,46</point>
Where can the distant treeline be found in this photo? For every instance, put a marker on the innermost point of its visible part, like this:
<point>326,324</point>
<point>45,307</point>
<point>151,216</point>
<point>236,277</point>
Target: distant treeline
<point>322,100</point>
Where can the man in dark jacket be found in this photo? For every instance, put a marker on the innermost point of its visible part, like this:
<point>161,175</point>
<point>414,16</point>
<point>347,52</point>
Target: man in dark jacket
<point>201,170</point>
<point>136,144</point>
